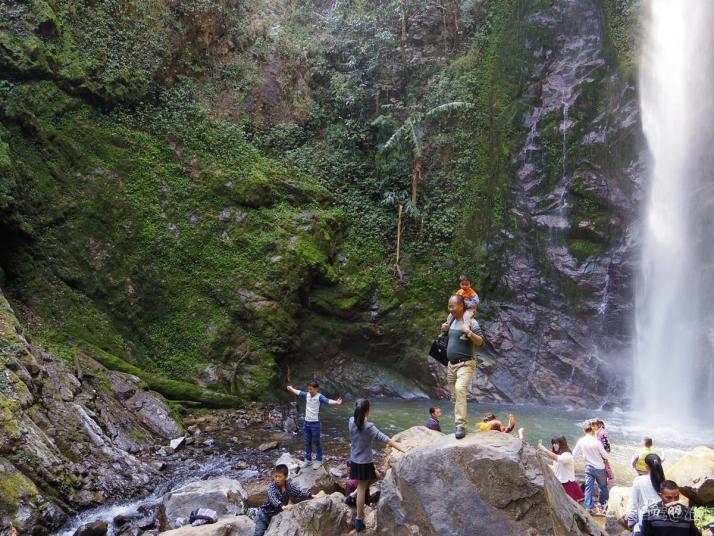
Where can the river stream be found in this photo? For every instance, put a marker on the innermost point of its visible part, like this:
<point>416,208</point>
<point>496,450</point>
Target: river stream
<point>233,452</point>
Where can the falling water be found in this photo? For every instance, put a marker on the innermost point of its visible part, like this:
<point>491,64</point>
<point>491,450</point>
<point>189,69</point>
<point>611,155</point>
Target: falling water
<point>674,349</point>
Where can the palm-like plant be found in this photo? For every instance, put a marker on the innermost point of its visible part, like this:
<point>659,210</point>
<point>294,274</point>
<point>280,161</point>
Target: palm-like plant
<point>412,133</point>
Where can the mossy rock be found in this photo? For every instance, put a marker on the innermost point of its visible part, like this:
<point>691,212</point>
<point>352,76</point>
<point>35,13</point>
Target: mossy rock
<point>171,389</point>
<point>16,490</point>
<point>249,190</point>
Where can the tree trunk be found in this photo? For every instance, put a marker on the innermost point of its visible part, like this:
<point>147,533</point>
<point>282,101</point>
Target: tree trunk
<point>403,47</point>
<point>399,231</point>
<point>416,179</point>
<point>446,27</point>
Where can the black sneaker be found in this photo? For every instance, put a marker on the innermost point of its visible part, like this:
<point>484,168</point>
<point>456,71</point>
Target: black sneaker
<point>359,525</point>
<point>350,500</point>
<point>460,432</point>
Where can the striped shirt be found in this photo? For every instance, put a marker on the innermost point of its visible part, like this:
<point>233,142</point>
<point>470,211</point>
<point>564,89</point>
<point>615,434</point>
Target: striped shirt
<point>277,499</point>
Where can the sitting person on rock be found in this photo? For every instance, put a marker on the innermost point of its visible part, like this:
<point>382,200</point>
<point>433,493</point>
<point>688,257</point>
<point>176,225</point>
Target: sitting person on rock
<point>668,517</point>
<point>280,494</point>
<point>311,430</point>
<point>645,492</point>
<point>362,432</point>
<point>491,423</point>
<point>563,466</point>
<point>432,422</point>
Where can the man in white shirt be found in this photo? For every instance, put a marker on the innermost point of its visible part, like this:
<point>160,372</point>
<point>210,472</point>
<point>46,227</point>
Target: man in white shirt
<point>591,450</point>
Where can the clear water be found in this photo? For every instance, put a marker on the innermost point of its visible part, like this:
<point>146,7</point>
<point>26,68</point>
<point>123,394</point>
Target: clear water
<point>392,416</point>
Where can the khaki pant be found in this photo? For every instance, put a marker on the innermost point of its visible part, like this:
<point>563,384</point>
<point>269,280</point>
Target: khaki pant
<point>459,376</point>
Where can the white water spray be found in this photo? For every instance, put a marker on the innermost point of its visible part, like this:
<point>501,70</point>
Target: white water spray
<point>674,351</point>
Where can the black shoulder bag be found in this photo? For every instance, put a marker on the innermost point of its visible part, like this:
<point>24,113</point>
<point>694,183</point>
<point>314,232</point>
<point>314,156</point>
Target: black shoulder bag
<point>438,347</point>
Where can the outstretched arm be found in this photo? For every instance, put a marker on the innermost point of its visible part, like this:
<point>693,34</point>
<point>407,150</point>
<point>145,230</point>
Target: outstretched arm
<point>396,445</point>
<point>552,455</point>
<point>293,390</point>
<point>335,402</point>
<point>511,424</point>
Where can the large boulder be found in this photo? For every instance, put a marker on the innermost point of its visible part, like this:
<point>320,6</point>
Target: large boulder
<point>314,480</point>
<point>485,484</point>
<point>228,526</point>
<point>619,501</point>
<point>695,475</point>
<point>325,516</point>
<point>257,491</point>
<point>224,495</point>
<point>416,436</point>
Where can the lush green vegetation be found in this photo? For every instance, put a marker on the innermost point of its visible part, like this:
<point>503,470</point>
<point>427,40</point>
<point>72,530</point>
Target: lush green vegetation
<point>196,189</point>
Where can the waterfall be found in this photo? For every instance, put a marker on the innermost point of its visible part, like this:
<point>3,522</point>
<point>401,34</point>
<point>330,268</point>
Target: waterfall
<point>674,346</point>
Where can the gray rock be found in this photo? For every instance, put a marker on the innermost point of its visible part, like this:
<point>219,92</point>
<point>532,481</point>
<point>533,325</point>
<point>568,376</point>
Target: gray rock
<point>694,473</point>
<point>178,443</point>
<point>98,528</point>
<point>510,488</point>
<point>289,425</point>
<point>228,526</point>
<point>618,502</point>
<point>325,516</point>
<point>315,480</point>
<point>291,461</point>
<point>224,495</point>
<point>268,445</point>
<point>337,473</point>
<point>257,491</point>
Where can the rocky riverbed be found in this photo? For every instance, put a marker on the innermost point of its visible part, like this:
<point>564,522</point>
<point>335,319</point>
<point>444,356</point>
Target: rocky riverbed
<point>240,446</point>
<point>223,463</point>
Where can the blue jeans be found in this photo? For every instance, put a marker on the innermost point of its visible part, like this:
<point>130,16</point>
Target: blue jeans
<point>311,432</point>
<point>593,475</point>
<point>262,522</point>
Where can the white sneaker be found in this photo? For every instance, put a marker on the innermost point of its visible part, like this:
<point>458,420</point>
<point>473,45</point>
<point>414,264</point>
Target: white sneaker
<point>317,464</point>
<point>304,464</point>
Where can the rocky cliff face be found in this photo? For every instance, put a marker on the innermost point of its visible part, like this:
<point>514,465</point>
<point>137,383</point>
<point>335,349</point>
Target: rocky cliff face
<point>196,191</point>
<point>568,261</point>
<point>70,430</point>
<point>549,201</point>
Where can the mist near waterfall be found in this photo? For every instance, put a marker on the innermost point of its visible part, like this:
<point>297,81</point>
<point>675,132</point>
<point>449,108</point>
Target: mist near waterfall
<point>674,346</point>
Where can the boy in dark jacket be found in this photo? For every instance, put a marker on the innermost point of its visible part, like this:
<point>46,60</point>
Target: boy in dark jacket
<point>280,492</point>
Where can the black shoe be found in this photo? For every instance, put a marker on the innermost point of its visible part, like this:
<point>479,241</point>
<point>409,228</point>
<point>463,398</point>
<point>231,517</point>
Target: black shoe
<point>359,525</point>
<point>460,432</point>
<point>350,500</point>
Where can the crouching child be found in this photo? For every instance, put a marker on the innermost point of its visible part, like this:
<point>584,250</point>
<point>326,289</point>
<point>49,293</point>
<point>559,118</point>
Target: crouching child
<point>280,494</point>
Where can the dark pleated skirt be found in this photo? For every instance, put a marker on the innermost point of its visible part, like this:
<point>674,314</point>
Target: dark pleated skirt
<point>362,471</point>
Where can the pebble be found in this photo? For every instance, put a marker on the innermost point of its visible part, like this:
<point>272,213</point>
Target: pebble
<point>269,445</point>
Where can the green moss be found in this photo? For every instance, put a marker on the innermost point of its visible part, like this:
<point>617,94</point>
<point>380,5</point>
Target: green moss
<point>585,249</point>
<point>623,33</point>
<point>8,422</point>
<point>171,389</point>
<point>15,488</point>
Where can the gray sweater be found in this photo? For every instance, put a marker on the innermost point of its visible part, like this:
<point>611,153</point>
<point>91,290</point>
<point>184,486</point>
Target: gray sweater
<point>361,441</point>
